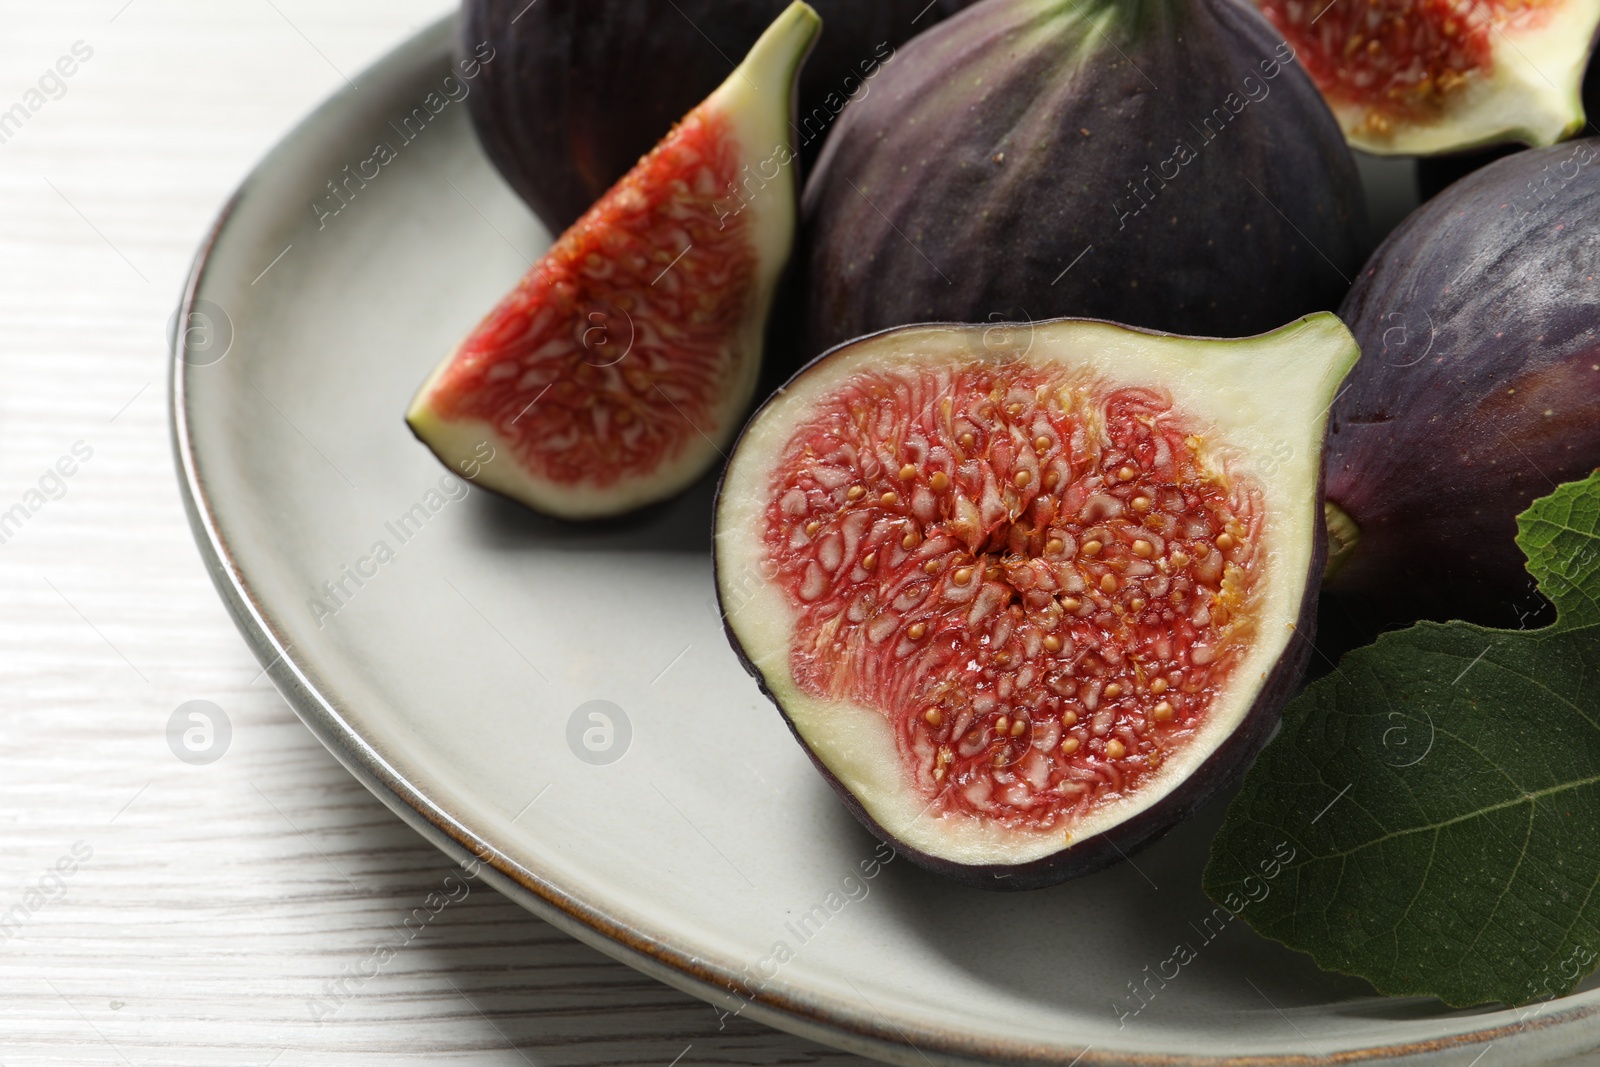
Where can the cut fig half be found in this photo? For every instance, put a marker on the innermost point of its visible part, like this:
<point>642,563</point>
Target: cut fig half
<point>1030,595</point>
<point>618,368</point>
<point>1424,77</point>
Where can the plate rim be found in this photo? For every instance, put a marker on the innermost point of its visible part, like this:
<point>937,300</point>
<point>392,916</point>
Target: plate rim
<point>824,1018</point>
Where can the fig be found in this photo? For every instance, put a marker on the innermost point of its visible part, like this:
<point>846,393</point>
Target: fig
<point>580,89</point>
<point>617,369</point>
<point>1417,77</point>
<point>1479,318</point>
<point>1434,173</point>
<point>1030,594</point>
<point>1162,164</point>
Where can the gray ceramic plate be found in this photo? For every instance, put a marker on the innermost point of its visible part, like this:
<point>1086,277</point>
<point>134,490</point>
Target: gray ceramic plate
<point>453,669</point>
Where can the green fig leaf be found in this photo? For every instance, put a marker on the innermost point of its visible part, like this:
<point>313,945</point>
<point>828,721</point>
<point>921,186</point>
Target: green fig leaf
<point>1441,794</point>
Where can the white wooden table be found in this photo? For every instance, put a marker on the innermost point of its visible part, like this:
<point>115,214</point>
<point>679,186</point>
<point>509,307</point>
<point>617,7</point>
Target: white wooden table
<point>214,906</point>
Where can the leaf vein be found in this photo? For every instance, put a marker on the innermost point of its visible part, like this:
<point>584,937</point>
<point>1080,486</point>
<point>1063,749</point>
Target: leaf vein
<point>1525,798</point>
<point>1522,854</point>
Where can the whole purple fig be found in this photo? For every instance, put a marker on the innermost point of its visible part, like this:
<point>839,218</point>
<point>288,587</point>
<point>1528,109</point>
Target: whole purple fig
<point>578,90</point>
<point>1478,390</point>
<point>1165,164</point>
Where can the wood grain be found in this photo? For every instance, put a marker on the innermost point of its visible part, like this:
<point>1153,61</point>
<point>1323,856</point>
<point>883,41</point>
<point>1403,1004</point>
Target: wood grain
<point>219,905</point>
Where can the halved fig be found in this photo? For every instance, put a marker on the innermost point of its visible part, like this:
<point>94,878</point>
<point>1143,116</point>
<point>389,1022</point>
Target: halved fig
<point>1030,595</point>
<point>1418,77</point>
<point>619,366</point>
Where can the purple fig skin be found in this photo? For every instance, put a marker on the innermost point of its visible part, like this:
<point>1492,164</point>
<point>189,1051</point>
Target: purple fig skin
<point>1105,849</point>
<point>1478,390</point>
<point>1000,169</point>
<point>578,90</point>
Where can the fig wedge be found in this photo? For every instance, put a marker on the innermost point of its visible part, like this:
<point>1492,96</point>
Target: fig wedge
<point>1420,77</point>
<point>618,368</point>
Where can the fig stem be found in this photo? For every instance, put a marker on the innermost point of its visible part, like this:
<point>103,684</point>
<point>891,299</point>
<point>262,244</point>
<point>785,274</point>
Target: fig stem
<point>1343,537</point>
